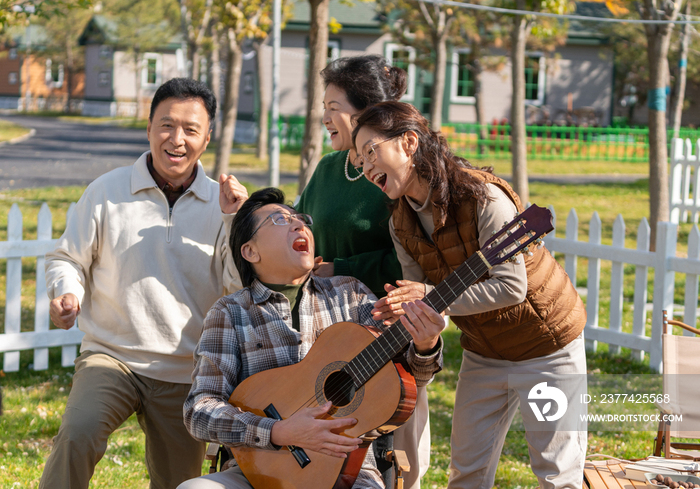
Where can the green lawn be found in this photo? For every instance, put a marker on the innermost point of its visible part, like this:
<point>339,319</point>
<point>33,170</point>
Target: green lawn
<point>9,131</point>
<point>34,401</point>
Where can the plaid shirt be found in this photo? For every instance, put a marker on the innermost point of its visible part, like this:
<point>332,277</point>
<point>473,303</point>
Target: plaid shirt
<point>251,331</point>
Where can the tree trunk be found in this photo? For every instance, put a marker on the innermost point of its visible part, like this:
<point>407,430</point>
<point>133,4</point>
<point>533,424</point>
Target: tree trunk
<point>216,81</point>
<point>186,42</point>
<point>658,40</point>
<point>196,43</point>
<point>263,98</point>
<point>477,70</point>
<point>679,93</point>
<point>313,129</point>
<point>195,62</point>
<point>137,63</point>
<point>230,110</point>
<point>69,74</point>
<point>517,122</point>
<point>440,43</point>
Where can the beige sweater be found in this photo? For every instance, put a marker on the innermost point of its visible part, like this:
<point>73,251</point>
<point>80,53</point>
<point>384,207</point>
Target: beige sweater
<point>506,284</point>
<point>145,277</point>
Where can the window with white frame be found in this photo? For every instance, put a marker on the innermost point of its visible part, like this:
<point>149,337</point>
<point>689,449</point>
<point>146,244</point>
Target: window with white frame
<point>12,78</point>
<point>152,70</point>
<point>54,74</point>
<point>13,53</point>
<point>103,78</point>
<point>535,78</point>
<point>248,82</point>
<point>403,57</point>
<point>463,87</point>
<point>105,51</point>
<point>333,50</point>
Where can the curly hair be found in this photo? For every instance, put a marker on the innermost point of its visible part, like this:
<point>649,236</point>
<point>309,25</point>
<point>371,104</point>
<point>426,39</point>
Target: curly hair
<point>434,162</point>
<point>366,80</point>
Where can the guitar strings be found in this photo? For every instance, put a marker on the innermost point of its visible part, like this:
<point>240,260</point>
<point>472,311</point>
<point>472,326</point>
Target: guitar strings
<point>343,385</point>
<point>477,272</point>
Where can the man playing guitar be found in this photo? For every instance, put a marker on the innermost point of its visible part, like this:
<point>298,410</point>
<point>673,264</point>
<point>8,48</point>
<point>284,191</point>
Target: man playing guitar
<point>273,322</point>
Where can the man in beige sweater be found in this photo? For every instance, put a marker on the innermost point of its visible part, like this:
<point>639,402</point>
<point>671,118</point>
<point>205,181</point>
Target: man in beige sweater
<point>143,258</point>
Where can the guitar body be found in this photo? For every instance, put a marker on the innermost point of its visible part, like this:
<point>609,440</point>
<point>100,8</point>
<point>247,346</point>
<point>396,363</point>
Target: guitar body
<point>383,403</point>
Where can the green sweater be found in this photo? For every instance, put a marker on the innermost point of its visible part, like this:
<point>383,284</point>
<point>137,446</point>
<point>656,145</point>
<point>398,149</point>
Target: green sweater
<point>351,224</point>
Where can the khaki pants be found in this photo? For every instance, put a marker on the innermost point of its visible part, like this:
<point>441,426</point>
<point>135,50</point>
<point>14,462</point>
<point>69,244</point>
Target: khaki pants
<point>104,394</point>
<point>481,420</point>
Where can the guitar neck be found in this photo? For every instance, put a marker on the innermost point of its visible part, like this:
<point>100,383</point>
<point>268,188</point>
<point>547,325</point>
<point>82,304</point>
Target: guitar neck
<point>383,349</point>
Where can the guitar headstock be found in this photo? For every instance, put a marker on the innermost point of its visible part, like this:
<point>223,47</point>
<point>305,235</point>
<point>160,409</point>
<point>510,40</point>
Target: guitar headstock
<point>515,237</point>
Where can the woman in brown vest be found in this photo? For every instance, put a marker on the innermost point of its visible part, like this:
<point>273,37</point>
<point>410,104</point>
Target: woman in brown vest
<point>520,318</point>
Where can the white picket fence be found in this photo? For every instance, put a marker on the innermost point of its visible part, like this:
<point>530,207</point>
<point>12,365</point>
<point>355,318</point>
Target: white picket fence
<point>13,340</point>
<point>685,181</point>
<point>663,261</point>
<point>665,264</point>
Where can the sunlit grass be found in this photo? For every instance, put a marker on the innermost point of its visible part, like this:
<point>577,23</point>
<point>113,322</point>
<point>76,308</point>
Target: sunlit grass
<point>9,131</point>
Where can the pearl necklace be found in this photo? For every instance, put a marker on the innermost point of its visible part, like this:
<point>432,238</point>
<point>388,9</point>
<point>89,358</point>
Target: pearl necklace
<point>347,175</point>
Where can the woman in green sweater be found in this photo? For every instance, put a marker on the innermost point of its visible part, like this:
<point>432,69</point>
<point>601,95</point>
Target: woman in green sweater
<point>351,215</point>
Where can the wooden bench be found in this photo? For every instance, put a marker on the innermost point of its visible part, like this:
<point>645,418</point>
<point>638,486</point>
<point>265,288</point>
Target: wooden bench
<point>608,475</point>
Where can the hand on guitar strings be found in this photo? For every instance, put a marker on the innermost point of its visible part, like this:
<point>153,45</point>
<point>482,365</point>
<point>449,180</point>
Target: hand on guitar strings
<point>389,308</point>
<point>305,430</point>
<point>424,324</point>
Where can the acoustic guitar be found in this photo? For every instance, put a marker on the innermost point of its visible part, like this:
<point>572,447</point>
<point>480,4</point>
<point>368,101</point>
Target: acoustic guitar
<point>353,366</point>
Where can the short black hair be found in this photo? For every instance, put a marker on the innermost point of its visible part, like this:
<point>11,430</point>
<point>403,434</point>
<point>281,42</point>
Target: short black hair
<point>244,225</point>
<point>183,89</point>
<point>366,80</point>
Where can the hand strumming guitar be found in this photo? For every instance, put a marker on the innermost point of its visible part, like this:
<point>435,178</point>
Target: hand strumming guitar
<point>304,429</point>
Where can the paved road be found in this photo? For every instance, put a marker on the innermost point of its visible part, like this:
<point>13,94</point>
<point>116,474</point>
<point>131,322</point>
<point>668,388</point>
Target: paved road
<point>67,153</point>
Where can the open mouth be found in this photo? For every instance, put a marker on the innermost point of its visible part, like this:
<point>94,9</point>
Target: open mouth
<point>301,245</point>
<point>380,180</point>
<point>332,132</point>
<point>175,154</point>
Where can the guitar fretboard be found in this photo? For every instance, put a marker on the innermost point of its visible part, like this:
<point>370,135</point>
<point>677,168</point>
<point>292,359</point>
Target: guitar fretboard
<point>378,353</point>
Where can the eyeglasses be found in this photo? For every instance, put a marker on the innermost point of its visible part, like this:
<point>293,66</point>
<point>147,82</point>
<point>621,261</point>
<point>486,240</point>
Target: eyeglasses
<point>284,219</point>
<point>371,157</point>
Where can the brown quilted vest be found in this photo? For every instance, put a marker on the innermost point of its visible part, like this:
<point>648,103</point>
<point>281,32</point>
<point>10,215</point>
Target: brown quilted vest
<point>552,314</point>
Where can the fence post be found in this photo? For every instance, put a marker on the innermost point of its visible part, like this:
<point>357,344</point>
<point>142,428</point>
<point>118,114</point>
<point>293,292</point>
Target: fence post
<point>696,185</point>
<point>641,280</point>
<point>690,315</point>
<point>570,261</point>
<point>41,310</point>
<point>13,288</point>
<point>554,231</point>
<point>663,286</point>
<point>677,158</point>
<point>593,299</point>
<point>617,281</point>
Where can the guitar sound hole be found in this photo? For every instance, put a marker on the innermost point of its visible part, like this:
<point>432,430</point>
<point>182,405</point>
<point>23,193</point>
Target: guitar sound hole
<point>339,388</point>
